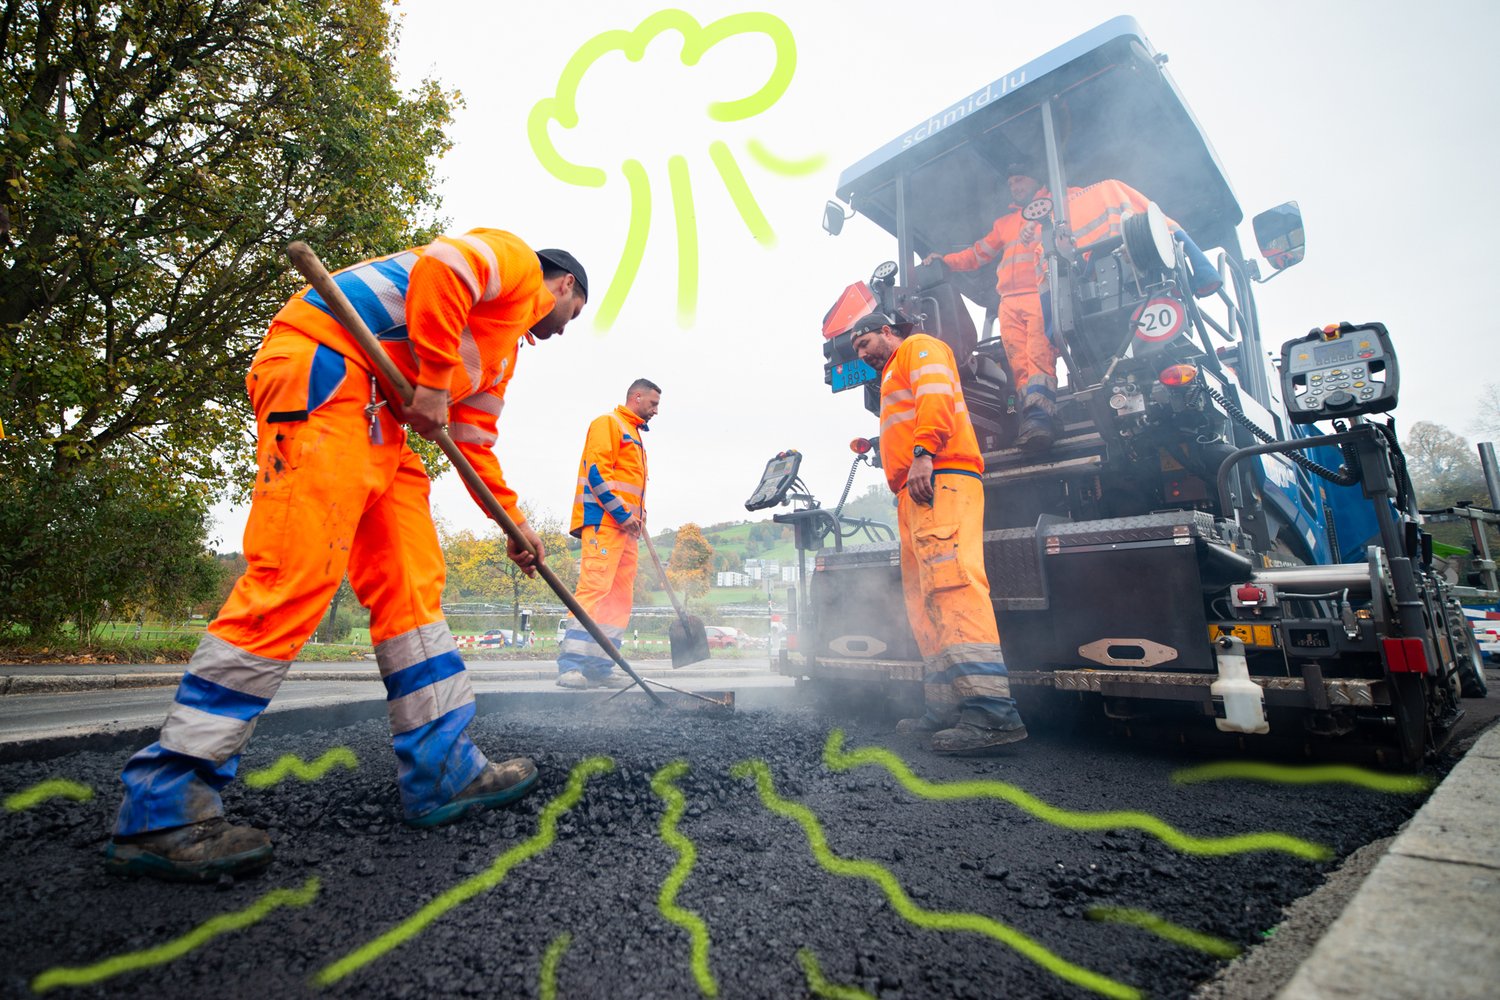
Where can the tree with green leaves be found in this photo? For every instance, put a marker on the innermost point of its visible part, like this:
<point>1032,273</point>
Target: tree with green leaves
<point>155,158</point>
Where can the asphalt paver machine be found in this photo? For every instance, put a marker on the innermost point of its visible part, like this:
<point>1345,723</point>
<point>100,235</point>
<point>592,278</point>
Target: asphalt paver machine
<point>1221,539</point>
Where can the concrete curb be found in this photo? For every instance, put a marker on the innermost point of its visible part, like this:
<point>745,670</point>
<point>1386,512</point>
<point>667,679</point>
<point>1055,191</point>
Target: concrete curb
<point>20,684</point>
<point>1426,923</point>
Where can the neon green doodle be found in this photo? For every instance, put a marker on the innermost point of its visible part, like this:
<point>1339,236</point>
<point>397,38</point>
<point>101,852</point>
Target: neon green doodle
<point>468,889</point>
<point>663,784</point>
<point>698,39</point>
<point>837,759</point>
<point>54,788</point>
<point>974,923</point>
<point>786,168</point>
<point>290,764</point>
<point>160,955</point>
<point>551,958</point>
<point>1165,929</point>
<point>1396,784</point>
<point>818,986</point>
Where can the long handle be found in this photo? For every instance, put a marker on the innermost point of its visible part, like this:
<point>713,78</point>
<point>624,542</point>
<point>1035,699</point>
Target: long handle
<point>307,262</point>
<point>651,548</point>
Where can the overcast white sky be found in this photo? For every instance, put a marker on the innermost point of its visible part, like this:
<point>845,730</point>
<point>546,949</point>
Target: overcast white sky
<point>1379,118</point>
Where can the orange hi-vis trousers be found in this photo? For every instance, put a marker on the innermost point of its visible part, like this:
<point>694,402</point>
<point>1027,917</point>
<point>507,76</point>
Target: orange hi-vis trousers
<point>948,602</point>
<point>606,586</point>
<point>1033,359</point>
<point>333,493</point>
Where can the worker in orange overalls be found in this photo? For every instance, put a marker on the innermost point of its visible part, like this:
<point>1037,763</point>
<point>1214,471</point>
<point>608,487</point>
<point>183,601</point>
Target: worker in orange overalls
<point>932,463</point>
<point>337,487</point>
<point>609,515</point>
<point>1098,212</point>
<point>1016,244</point>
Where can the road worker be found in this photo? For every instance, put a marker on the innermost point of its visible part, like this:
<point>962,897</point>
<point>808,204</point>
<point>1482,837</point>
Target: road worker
<point>1016,243</point>
<point>338,488</point>
<point>1096,213</point>
<point>932,463</point>
<point>608,517</point>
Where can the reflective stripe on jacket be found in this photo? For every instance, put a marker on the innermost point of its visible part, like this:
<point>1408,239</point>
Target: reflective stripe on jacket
<point>922,403</point>
<point>612,471</point>
<point>451,315</point>
<point>1016,243</point>
<point>1098,211</point>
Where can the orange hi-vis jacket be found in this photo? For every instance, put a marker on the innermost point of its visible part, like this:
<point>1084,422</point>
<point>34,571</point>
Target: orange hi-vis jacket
<point>612,471</point>
<point>1098,211</point>
<point>1021,262</point>
<point>451,315</point>
<point>922,403</point>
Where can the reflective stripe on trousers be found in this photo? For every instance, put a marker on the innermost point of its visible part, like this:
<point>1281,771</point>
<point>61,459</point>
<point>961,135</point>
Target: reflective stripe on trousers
<point>1023,332</point>
<point>327,499</point>
<point>948,602</point>
<point>606,586</point>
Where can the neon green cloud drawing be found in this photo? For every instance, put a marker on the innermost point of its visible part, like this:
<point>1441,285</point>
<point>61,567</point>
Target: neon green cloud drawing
<point>697,40</point>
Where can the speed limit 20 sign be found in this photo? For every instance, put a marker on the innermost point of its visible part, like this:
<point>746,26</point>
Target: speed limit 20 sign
<point>1159,320</point>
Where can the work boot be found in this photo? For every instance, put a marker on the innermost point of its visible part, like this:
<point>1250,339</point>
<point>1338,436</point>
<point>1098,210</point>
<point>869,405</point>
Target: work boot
<point>197,852</point>
<point>921,724</point>
<point>1037,431</point>
<point>573,679</point>
<point>611,680</point>
<point>968,740</point>
<point>497,785</point>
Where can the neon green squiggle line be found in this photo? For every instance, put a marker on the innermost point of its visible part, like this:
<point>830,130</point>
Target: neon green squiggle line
<point>687,241</point>
<point>551,958</point>
<point>663,784</point>
<point>53,788</point>
<point>635,245</point>
<point>739,193</point>
<point>469,888</point>
<point>837,759</point>
<point>1288,774</point>
<point>1176,933</point>
<point>224,923</point>
<point>786,168</point>
<point>974,923</point>
<point>290,764</point>
<point>819,986</point>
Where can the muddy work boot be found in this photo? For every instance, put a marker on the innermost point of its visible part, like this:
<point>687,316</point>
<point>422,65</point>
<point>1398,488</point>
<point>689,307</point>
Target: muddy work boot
<point>572,679</point>
<point>497,785</point>
<point>1037,430</point>
<point>921,724</point>
<point>198,852</point>
<point>611,680</point>
<point>969,740</point>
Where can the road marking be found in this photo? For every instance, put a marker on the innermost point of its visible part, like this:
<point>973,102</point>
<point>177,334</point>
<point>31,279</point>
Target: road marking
<point>1162,928</point>
<point>290,764</point>
<point>469,888</point>
<point>54,788</point>
<point>837,759</point>
<point>663,784</point>
<point>1291,774</point>
<point>551,958</point>
<point>160,955</point>
<point>974,923</point>
<point>818,986</point>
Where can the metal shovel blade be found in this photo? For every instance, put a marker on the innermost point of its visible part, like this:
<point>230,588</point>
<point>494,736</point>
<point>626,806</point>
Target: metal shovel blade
<point>689,641</point>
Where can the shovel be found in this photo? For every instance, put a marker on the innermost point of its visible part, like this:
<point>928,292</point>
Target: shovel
<point>397,386</point>
<point>688,637</point>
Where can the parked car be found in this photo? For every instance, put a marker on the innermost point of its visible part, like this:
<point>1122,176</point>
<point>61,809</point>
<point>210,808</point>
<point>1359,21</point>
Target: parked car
<point>498,637</point>
<point>723,637</point>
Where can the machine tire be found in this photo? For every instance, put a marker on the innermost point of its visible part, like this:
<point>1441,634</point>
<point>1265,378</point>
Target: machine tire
<point>1471,672</point>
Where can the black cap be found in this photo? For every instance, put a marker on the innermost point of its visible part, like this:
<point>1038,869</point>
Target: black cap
<point>873,321</point>
<point>567,262</point>
<point>1018,168</point>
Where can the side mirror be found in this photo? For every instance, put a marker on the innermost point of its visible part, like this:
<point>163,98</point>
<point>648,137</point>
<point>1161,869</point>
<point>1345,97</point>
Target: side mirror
<point>834,216</point>
<point>1278,232</point>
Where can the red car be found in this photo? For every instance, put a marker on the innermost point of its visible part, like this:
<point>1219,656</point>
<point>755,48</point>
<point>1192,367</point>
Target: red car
<point>722,637</point>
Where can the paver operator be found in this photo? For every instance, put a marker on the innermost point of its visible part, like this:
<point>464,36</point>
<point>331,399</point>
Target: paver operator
<point>609,515</point>
<point>337,487</point>
<point>932,463</point>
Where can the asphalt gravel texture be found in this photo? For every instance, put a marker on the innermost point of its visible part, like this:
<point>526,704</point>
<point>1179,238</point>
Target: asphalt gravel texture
<point>756,885</point>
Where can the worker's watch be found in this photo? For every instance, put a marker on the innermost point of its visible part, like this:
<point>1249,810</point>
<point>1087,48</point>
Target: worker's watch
<point>920,452</point>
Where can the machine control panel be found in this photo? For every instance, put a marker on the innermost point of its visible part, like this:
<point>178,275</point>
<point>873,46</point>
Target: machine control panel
<point>780,474</point>
<point>1342,370</point>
